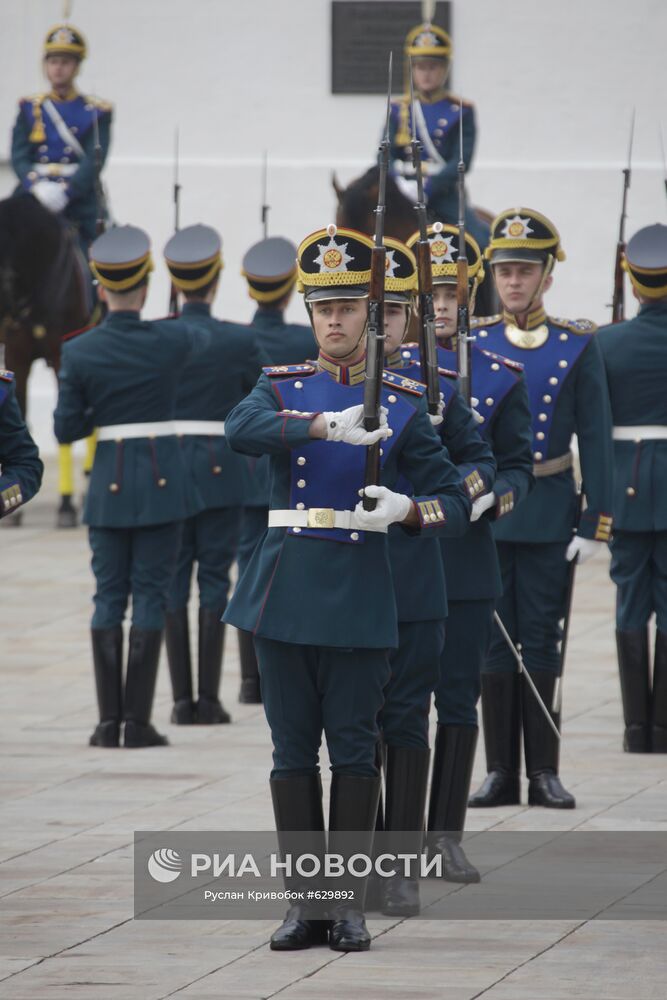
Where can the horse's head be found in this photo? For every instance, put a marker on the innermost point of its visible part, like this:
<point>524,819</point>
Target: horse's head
<point>37,258</point>
<point>357,203</point>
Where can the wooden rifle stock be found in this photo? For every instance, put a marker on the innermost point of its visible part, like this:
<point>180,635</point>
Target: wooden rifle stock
<point>428,358</point>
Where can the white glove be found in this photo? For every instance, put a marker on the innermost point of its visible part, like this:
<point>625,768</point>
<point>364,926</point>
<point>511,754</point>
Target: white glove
<point>582,547</point>
<point>437,418</point>
<point>433,167</point>
<point>408,188</point>
<point>52,195</point>
<point>348,425</point>
<point>481,504</point>
<point>390,507</point>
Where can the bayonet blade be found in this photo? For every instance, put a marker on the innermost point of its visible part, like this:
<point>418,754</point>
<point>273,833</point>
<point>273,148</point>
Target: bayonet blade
<point>412,105</point>
<point>632,136</point>
<point>388,116</point>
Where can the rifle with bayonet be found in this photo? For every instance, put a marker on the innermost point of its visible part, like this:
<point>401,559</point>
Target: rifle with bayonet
<point>375,335</point>
<point>265,206</point>
<point>176,194</point>
<point>463,338</point>
<point>428,357</point>
<point>618,299</point>
<point>100,198</point>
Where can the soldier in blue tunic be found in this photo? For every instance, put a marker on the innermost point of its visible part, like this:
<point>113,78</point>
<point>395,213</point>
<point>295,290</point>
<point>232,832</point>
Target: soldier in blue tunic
<point>53,142</point>
<point>635,357</point>
<point>318,593</point>
<point>568,394</point>
<point>427,54</point>
<point>20,465</point>
<point>421,593</point>
<point>213,382</point>
<point>269,268</point>
<point>470,563</point>
<point>122,377</point>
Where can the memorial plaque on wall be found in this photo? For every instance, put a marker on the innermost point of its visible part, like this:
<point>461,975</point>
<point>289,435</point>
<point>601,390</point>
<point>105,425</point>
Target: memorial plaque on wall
<point>362,36</point>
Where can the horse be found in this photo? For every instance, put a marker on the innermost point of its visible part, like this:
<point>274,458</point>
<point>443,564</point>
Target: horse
<point>356,209</point>
<point>44,294</point>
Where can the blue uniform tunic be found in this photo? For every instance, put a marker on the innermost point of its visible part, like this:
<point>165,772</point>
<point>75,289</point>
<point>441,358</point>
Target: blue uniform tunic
<point>635,358</point>
<point>419,574</point>
<point>127,371</point>
<point>20,465</point>
<point>213,382</point>
<point>279,343</point>
<point>568,395</point>
<point>54,155</point>
<point>320,601</point>
<point>470,563</point>
<point>439,134</point>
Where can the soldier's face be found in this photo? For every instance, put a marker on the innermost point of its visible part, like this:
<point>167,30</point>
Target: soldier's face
<point>517,284</point>
<point>339,327</point>
<point>61,69</point>
<point>444,305</point>
<point>429,74</point>
<point>395,325</point>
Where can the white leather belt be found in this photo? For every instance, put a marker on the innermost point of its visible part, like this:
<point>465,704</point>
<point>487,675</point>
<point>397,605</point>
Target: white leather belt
<point>208,427</point>
<point>161,428</point>
<point>317,517</point>
<point>55,169</point>
<point>118,432</point>
<point>643,432</point>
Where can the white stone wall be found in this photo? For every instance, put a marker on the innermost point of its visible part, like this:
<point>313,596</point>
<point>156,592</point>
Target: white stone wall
<point>554,85</point>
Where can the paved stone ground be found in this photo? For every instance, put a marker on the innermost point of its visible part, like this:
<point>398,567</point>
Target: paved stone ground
<point>69,812</point>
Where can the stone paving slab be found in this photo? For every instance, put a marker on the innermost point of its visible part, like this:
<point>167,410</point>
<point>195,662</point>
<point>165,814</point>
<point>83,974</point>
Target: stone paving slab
<point>68,813</point>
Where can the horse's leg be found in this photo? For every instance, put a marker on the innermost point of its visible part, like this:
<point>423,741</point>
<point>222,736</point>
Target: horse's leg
<point>66,516</point>
<point>18,359</point>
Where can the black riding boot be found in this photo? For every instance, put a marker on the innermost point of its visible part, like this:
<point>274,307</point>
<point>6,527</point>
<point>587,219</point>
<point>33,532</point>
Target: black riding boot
<point>211,641</point>
<point>659,696</point>
<point>177,641</point>
<point>108,666</point>
<point>450,786</point>
<point>541,746</point>
<point>406,781</point>
<point>352,807</point>
<point>375,884</point>
<point>142,664</point>
<point>633,669</point>
<point>501,716</point>
<point>250,693</point>
<point>297,806</point>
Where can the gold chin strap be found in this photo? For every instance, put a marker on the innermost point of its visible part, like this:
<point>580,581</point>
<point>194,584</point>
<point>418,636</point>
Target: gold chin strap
<point>548,268</point>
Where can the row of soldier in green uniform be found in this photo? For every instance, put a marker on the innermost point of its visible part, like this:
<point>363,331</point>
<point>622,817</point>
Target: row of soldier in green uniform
<point>477,512</point>
<point>172,405</point>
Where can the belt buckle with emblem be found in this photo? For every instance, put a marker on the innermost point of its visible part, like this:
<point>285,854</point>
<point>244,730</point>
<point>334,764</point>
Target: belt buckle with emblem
<point>321,517</point>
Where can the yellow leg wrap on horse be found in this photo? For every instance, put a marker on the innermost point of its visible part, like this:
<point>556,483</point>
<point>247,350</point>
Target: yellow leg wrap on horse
<point>91,444</point>
<point>65,470</point>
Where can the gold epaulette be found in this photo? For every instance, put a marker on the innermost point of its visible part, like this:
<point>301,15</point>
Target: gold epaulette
<point>98,102</point>
<point>32,98</point>
<point>396,381</point>
<point>476,321</point>
<point>289,370</point>
<point>581,326</point>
